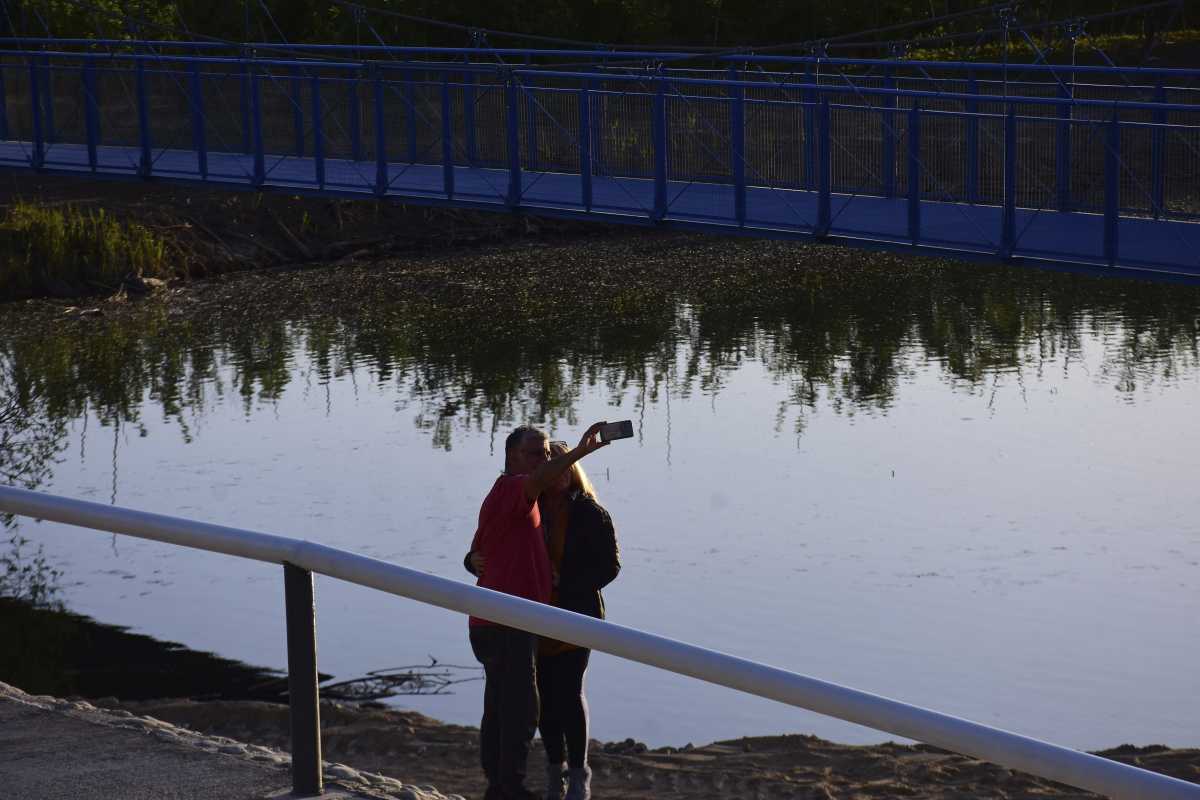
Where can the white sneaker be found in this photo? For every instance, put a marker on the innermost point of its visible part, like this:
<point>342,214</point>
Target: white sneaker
<point>579,783</point>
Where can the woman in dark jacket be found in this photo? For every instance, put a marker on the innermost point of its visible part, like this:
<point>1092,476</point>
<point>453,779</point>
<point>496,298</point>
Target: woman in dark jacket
<point>582,544</point>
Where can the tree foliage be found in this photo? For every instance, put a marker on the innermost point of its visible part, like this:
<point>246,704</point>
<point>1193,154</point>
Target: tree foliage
<point>720,23</point>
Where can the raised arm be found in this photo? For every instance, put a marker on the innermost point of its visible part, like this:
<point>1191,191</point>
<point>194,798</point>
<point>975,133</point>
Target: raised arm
<point>550,471</point>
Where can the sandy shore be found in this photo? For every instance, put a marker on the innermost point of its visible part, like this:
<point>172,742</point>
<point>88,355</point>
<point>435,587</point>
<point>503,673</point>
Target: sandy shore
<point>419,750</point>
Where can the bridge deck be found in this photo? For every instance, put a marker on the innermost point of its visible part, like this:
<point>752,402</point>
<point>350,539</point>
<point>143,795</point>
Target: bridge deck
<point>944,227</point>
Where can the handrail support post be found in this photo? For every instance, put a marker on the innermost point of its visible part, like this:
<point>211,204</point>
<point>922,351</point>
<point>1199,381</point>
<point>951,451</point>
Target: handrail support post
<point>303,694</point>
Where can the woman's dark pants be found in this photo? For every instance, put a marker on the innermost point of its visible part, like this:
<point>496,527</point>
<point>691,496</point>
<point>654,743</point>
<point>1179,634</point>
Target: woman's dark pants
<point>564,708</point>
<point>510,703</point>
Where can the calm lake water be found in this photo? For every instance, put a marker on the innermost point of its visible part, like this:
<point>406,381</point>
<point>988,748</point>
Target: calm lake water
<point>973,489</point>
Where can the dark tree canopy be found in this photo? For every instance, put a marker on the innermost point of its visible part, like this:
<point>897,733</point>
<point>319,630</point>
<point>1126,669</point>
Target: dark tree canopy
<point>720,23</point>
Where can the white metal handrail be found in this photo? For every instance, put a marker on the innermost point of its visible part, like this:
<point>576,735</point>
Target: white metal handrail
<point>1034,756</point>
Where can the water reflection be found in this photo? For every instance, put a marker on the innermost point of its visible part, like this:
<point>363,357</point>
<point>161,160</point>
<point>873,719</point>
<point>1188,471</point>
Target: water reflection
<point>851,337</point>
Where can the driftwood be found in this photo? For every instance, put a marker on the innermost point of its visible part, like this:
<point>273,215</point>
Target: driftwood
<point>261,245</point>
<point>221,243</point>
<point>301,248</point>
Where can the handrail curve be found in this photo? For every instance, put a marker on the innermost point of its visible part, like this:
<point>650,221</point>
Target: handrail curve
<point>1034,756</point>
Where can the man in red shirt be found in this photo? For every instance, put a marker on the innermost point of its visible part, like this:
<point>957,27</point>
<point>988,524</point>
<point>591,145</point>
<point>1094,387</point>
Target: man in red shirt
<point>510,540</point>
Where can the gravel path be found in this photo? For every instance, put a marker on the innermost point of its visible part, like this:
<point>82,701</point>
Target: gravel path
<point>52,749</point>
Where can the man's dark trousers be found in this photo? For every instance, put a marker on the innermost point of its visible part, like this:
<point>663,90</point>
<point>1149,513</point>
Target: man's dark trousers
<point>510,703</point>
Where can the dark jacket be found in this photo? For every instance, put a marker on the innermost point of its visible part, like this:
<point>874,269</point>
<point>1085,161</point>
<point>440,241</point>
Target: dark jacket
<point>591,558</point>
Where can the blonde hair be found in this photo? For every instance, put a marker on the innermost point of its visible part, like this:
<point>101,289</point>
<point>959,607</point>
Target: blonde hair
<point>579,478</point>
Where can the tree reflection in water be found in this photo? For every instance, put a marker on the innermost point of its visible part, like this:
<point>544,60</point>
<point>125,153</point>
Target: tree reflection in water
<point>483,341</point>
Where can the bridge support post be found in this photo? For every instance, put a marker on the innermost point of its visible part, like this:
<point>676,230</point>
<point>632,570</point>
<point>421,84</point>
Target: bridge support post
<point>146,163</point>
<point>38,159</point>
<point>382,179</point>
<point>303,694</point>
<point>355,119</point>
<point>824,168</point>
<point>91,116</point>
<point>809,113</point>
<point>447,138</point>
<point>531,131</point>
<point>1062,146</point>
<point>972,154</point>
<point>1158,150</point>
<point>512,141</point>
<point>1112,191</point>
<point>318,127</point>
<point>585,147</point>
<point>297,111</point>
<point>3,107</point>
<point>914,173</point>
<point>737,156</point>
<point>469,99</point>
<point>887,134</point>
<point>244,103</point>
<point>410,100</point>
<point>199,140</point>
<point>1008,218</point>
<point>256,124</point>
<point>659,134</point>
<point>51,132</point>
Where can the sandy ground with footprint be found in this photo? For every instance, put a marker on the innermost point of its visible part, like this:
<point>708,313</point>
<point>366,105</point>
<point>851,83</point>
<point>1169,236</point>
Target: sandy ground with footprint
<point>422,751</point>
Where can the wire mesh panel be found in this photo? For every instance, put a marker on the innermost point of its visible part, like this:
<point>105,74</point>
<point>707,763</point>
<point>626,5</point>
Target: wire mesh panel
<point>699,159</point>
<point>63,109</point>
<point>1087,165</point>
<point>115,92</point>
<point>169,119</point>
<point>780,143</point>
<point>549,128</point>
<point>623,150</point>
<point>1135,170</point>
<point>1181,171</point>
<point>624,140</point>
<point>1036,162</point>
<point>225,107</point>
<point>942,160</point>
<point>856,148</point>
<point>491,147</point>
<point>549,121</point>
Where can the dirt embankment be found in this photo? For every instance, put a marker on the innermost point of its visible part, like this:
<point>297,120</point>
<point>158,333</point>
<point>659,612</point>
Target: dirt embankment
<point>416,749</point>
<point>209,232</point>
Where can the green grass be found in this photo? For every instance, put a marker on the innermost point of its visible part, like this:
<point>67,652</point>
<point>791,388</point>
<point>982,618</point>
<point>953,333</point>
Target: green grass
<point>65,250</point>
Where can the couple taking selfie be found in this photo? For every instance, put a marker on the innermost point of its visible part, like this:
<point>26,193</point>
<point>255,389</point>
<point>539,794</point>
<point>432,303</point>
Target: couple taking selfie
<point>543,536</point>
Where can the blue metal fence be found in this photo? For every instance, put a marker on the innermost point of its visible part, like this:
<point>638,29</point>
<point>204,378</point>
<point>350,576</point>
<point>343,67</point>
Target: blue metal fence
<point>1077,165</point>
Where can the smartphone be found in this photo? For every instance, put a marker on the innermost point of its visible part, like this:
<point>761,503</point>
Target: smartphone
<point>617,430</point>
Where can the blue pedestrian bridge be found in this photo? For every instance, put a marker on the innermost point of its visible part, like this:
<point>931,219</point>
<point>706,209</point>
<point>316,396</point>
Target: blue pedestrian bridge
<point>1095,168</point>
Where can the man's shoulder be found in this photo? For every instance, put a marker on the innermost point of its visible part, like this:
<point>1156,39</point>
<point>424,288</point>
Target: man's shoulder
<point>506,491</point>
<point>508,483</point>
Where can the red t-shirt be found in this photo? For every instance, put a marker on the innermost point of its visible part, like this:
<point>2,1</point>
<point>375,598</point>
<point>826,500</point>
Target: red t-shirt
<point>510,539</point>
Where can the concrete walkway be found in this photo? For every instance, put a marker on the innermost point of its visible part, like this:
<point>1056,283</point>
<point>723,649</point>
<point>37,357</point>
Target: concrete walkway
<point>53,749</point>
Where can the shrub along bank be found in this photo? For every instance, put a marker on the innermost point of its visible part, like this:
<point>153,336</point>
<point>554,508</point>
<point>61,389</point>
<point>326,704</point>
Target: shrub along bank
<point>65,250</point>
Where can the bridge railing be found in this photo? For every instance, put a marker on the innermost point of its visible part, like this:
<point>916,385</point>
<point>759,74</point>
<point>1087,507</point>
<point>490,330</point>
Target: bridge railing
<point>781,155</point>
<point>301,559</point>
